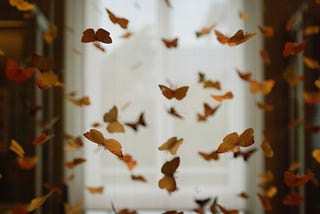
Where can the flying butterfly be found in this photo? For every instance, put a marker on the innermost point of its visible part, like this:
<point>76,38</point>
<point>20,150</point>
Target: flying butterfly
<point>246,76</point>
<point>291,179</point>
<point>245,154</point>
<point>292,49</point>
<point>265,201</point>
<point>267,31</point>
<point>168,182</point>
<point>100,35</point>
<point>111,117</point>
<point>139,122</point>
<point>261,87</point>
<point>226,211</point>
<point>238,38</point>
<point>22,5</point>
<point>17,73</point>
<point>138,178</point>
<point>178,93</point>
<point>173,43</point>
<point>117,20</point>
<point>209,156</point>
<point>205,31</point>
<point>293,199</point>
<point>227,96</point>
<point>172,111</point>
<point>129,161</point>
<point>172,145</point>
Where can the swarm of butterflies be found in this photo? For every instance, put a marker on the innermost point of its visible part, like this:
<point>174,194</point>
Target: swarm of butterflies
<point>42,67</point>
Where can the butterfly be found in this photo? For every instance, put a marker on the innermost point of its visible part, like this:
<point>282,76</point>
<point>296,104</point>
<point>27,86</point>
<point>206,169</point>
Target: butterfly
<point>233,139</point>
<point>244,195</point>
<point>316,155</point>
<point>295,122</point>
<point>51,34</point>
<point>225,211</point>
<point>53,188</point>
<point>265,57</point>
<point>291,179</point>
<point>271,192</point>
<point>311,30</point>
<point>266,148</point>
<point>22,5</point>
<point>19,209</point>
<point>74,162</point>
<point>208,83</point>
<point>265,202</point>
<point>245,154</point>
<point>243,16</point>
<point>237,39</point>
<point>209,156</point>
<point>246,76</point>
<point>111,117</point>
<point>311,63</point>
<point>262,87</point>
<point>129,161</point>
<point>170,43</point>
<point>311,98</point>
<point>138,178</point>
<point>95,190</point>
<point>293,199</point>
<point>267,31</point>
<point>292,49</point>
<point>168,182</point>
<point>73,143</point>
<point>83,101</point>
<point>172,145</point>
<point>16,73</point>
<point>101,36</point>
<point>174,113</point>
<point>139,122</point>
<point>117,20</point>
<point>110,144</point>
<point>42,138</point>
<point>202,202</point>
<point>178,93</point>
<point>208,111</point>
<point>37,202</point>
<point>227,96</point>
<point>48,79</point>
<point>205,30</point>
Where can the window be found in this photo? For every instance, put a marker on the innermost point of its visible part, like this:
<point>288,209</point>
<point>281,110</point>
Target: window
<point>129,73</point>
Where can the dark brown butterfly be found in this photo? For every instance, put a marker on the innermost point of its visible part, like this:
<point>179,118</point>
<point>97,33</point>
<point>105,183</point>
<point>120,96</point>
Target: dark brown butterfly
<point>168,182</point>
<point>246,155</point>
<point>170,43</point>
<point>202,202</point>
<point>292,49</point>
<point>117,20</point>
<point>178,93</point>
<point>139,122</point>
<point>208,111</point>
<point>138,178</point>
<point>100,35</point>
<point>174,113</point>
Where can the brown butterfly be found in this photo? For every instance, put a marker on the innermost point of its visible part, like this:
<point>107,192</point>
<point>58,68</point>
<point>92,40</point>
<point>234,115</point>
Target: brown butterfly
<point>227,96</point>
<point>245,154</point>
<point>139,122</point>
<point>74,162</point>
<point>267,31</point>
<point>208,111</point>
<point>172,145</point>
<point>174,113</point>
<point>293,199</point>
<point>138,178</point>
<point>168,182</point>
<point>207,83</point>
<point>170,43</point>
<point>111,117</point>
<point>246,76</point>
<point>265,202</point>
<point>100,35</point>
<point>225,211</point>
<point>291,179</point>
<point>202,202</point>
<point>237,39</point>
<point>205,30</point>
<point>117,20</point>
<point>129,161</point>
<point>209,156</point>
<point>265,57</point>
<point>178,93</point>
<point>265,106</point>
<point>292,49</point>
<point>311,98</point>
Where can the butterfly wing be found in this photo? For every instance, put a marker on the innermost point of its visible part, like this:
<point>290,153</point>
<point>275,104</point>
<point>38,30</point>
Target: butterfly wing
<point>167,92</point>
<point>180,93</point>
<point>103,36</point>
<point>88,36</point>
<point>116,20</point>
<point>169,167</point>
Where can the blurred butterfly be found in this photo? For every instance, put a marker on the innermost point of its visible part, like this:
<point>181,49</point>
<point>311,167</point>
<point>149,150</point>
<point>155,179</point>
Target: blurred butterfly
<point>311,98</point>
<point>174,113</point>
<point>127,35</point>
<point>205,31</point>
<point>292,49</point>
<point>265,201</point>
<point>27,163</point>
<point>172,145</point>
<point>48,79</point>
<point>22,5</point>
<point>246,76</point>
<point>291,21</point>
<point>208,83</point>
<point>170,43</point>
<point>51,34</point>
<point>73,143</point>
<point>265,57</point>
<point>42,138</point>
<point>74,162</point>
<point>178,93</point>
<point>261,87</point>
<point>110,144</point>
<point>16,73</point>
<point>168,182</point>
<point>311,30</point>
<point>101,36</point>
<point>243,16</point>
<point>208,111</point>
<point>129,161</point>
<point>37,202</point>
<point>49,124</point>
<point>316,155</point>
<point>32,108</point>
<point>209,156</point>
<point>202,202</point>
<point>227,96</point>
<point>311,63</point>
<point>117,20</point>
<point>267,31</point>
<point>53,188</point>
<point>244,195</point>
<point>111,117</point>
<point>293,199</point>
<point>19,209</point>
<point>245,154</point>
<point>83,101</point>
<point>98,46</point>
<point>139,122</point>
<point>266,148</point>
<point>233,139</point>
<point>225,211</point>
<point>295,122</point>
<point>16,148</point>
<point>271,192</point>
<point>95,190</point>
<point>294,166</point>
<point>291,179</point>
<point>237,39</point>
<point>138,178</point>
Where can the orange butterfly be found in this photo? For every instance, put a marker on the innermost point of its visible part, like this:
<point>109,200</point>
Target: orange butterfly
<point>290,23</point>
<point>233,139</point>
<point>16,73</point>
<point>73,143</point>
<point>311,30</point>
<point>83,101</point>
<point>265,202</point>
<point>316,155</point>
<point>208,111</point>
<point>237,39</point>
<point>292,49</point>
<point>311,63</point>
<point>116,20</point>
<point>243,16</point>
<point>111,117</point>
<point>48,79</point>
<point>95,190</point>
<point>208,83</point>
<point>129,161</point>
<point>262,87</point>
<point>170,43</point>
<point>172,145</point>
<point>225,211</point>
<point>265,106</point>
<point>178,93</point>
<point>101,36</point>
<point>244,195</point>
<point>246,76</point>
<point>42,138</point>
<point>21,5</point>
<point>138,178</point>
<point>140,122</point>
<point>27,163</point>
<point>19,209</point>
<point>267,31</point>
<point>74,162</point>
<point>265,57</point>
<point>245,154</point>
<point>205,31</point>
<point>174,113</point>
<point>51,34</point>
<point>127,35</point>
<point>294,166</point>
<point>168,182</point>
<point>295,122</point>
<point>209,156</point>
<point>311,98</point>
<point>37,202</point>
<point>293,199</point>
<point>227,96</point>
<point>110,144</point>
<point>291,179</point>
<point>266,148</point>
